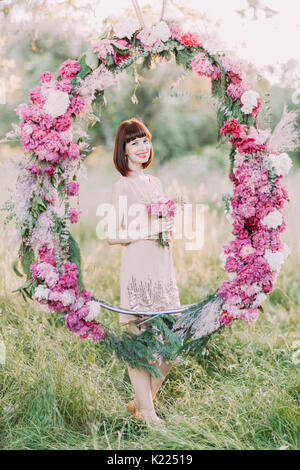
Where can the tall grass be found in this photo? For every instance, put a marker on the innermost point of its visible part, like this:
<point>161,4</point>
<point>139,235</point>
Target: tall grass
<point>59,392</point>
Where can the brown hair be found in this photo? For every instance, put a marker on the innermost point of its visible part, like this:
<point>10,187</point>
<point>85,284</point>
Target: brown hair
<point>128,131</point>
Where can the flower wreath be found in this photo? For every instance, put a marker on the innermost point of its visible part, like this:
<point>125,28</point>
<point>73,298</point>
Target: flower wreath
<point>55,147</point>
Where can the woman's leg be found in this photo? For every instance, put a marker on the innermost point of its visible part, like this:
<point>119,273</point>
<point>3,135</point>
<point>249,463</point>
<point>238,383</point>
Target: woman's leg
<point>141,382</point>
<point>156,382</point>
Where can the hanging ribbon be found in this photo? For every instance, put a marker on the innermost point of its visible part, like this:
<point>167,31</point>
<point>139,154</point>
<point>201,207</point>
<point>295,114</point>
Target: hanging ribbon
<point>163,10</point>
<point>138,13</point>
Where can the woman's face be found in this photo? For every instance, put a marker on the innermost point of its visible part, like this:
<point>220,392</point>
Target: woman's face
<point>138,150</point>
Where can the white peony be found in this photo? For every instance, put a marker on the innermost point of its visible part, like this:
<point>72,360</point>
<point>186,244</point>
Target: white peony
<point>273,219</point>
<point>67,298</point>
<point>260,298</point>
<point>162,31</point>
<point>281,163</point>
<point>249,101</point>
<point>275,259</point>
<point>126,27</point>
<point>223,257</point>
<point>57,103</point>
<point>41,293</point>
<point>212,45</point>
<point>233,310</point>
<point>94,311</point>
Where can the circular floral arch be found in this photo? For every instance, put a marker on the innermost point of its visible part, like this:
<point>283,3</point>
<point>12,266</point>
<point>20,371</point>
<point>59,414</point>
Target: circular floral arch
<point>55,147</point>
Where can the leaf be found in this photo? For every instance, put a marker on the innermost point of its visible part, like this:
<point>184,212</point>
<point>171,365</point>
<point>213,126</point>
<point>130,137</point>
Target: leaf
<point>120,48</point>
<point>91,59</point>
<point>15,268</point>
<point>27,258</point>
<point>85,69</point>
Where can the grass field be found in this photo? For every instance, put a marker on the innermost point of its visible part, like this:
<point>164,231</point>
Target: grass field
<point>59,392</point>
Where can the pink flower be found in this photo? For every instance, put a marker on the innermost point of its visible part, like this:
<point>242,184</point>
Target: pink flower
<point>148,38</point>
<point>191,40</point>
<point>46,77</point>
<point>64,85</point>
<point>69,69</point>
<point>36,96</point>
<point>247,250</point>
<point>49,197</point>
<point>50,170</point>
<point>161,206</point>
<point>34,170</point>
<point>256,109</point>
<point>52,157</point>
<point>63,123</point>
<point>73,152</point>
<point>175,31</point>
<point>202,66</point>
<point>117,57</point>
<point>76,105</point>
<point>236,90</point>
<point>103,48</point>
<point>72,188</point>
<point>74,215</point>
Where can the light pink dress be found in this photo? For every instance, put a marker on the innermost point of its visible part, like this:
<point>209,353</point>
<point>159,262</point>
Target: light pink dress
<point>147,276</point>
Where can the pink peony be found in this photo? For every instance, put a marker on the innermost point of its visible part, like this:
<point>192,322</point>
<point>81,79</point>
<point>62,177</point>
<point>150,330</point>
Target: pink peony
<point>69,69</point>
<point>46,77</point>
<point>50,170</point>
<point>190,40</point>
<point>74,215</point>
<point>76,105</point>
<point>72,188</point>
<point>117,57</point>
<point>34,170</point>
<point>103,48</point>
<point>175,31</point>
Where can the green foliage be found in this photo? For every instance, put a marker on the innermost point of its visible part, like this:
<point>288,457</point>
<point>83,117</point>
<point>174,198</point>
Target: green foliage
<point>26,255</point>
<point>74,256</point>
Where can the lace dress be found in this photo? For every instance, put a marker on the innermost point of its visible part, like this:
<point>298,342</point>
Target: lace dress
<point>147,274</point>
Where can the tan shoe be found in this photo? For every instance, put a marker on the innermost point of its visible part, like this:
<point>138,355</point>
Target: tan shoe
<point>132,409</point>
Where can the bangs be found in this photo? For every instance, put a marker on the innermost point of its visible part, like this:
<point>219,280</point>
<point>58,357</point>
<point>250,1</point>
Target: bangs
<point>133,131</point>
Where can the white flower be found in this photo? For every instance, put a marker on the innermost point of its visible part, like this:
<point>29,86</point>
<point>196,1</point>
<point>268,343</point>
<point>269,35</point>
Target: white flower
<point>126,27</point>
<point>262,136</point>
<point>260,298</point>
<point>162,31</point>
<point>51,278</point>
<point>273,219</point>
<point>67,298</point>
<point>94,311</point>
<point>41,293</point>
<point>233,310</point>
<point>275,259</point>
<point>57,103</point>
<point>281,163</point>
<point>66,136</point>
<point>249,101</point>
<point>212,46</point>
<point>223,257</point>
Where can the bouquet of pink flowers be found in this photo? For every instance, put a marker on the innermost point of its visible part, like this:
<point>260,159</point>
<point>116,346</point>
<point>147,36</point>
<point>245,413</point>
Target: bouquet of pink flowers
<point>161,206</point>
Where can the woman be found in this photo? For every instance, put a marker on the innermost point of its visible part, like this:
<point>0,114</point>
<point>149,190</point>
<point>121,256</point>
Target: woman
<point>147,272</point>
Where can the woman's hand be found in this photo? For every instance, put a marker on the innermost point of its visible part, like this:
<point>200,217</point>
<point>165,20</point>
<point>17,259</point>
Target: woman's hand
<point>164,224</point>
